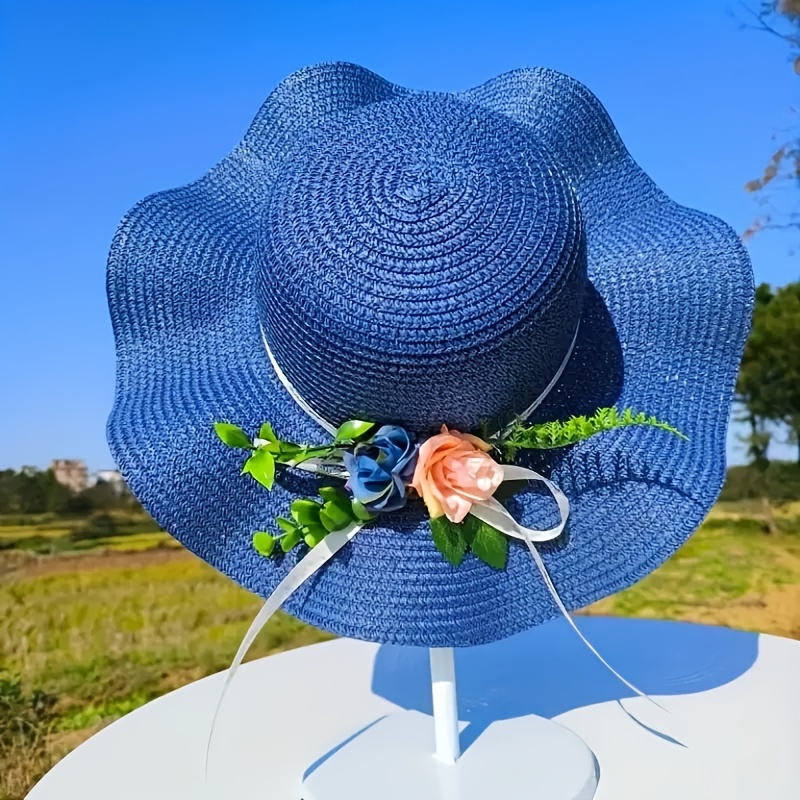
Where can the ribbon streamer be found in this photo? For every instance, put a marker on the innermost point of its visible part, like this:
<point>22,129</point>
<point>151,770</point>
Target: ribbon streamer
<point>489,511</point>
<point>496,515</point>
<point>295,578</point>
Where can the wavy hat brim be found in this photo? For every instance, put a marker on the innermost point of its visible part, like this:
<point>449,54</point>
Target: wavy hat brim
<point>662,331</point>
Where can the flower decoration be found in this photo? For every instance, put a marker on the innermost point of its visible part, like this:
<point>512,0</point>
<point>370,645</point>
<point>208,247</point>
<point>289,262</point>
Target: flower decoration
<point>450,471</point>
<point>381,468</point>
<point>454,470</point>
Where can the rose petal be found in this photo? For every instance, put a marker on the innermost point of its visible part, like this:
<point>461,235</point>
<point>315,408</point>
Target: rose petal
<point>433,501</point>
<point>474,440</point>
<point>456,507</point>
<point>477,476</point>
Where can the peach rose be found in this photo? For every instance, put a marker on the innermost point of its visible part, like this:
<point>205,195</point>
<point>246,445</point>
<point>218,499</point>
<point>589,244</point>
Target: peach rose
<point>453,472</point>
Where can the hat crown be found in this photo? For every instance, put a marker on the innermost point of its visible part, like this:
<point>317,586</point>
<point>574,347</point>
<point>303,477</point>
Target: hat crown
<point>422,185</point>
<point>421,261</point>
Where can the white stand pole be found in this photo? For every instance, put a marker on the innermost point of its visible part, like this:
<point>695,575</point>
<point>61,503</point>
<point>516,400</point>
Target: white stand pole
<point>445,708</point>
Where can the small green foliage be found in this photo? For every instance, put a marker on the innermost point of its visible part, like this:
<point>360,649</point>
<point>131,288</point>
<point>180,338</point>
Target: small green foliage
<point>286,525</point>
<point>297,454</point>
<point>263,542</point>
<point>454,539</point>
<point>360,511</point>
<point>306,512</point>
<point>448,538</point>
<point>266,433</point>
<point>353,430</point>
<point>291,539</point>
<point>288,450</point>
<point>311,521</point>
<point>281,452</point>
<point>233,435</point>
<point>270,447</point>
<point>335,517</point>
<point>261,465</point>
<point>313,537</point>
<point>488,544</point>
<point>547,435</point>
<point>337,496</point>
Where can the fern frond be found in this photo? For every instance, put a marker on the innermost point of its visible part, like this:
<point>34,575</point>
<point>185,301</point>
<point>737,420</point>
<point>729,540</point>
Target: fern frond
<point>549,435</point>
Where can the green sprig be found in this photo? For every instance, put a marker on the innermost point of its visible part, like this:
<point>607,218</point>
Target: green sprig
<point>312,520</point>
<point>268,450</point>
<point>453,540</point>
<point>548,435</point>
<point>233,435</point>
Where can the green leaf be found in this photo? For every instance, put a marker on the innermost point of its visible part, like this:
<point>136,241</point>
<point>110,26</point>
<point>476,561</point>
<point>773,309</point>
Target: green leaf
<point>286,525</point>
<point>261,465</point>
<point>334,518</point>
<point>337,496</point>
<point>469,527</point>
<point>447,536</point>
<point>306,512</point>
<point>312,537</point>
<point>266,432</point>
<point>232,435</point>
<point>353,429</point>
<point>305,452</point>
<point>263,542</point>
<point>291,540</point>
<point>360,512</point>
<point>271,447</point>
<point>488,544</point>
<point>317,528</point>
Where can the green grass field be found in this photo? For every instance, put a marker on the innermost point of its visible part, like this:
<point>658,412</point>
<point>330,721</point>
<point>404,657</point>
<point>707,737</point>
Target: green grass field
<point>91,628</point>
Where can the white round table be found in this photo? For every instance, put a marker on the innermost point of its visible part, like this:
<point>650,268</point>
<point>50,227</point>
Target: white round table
<point>732,731</point>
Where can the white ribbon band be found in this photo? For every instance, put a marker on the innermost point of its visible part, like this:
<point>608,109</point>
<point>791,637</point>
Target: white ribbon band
<point>331,428</point>
<point>293,393</point>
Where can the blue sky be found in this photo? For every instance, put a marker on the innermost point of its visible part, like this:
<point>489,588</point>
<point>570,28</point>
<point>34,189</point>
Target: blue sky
<point>102,103</point>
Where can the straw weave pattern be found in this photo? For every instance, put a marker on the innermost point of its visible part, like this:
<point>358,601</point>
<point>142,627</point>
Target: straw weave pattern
<point>424,258</point>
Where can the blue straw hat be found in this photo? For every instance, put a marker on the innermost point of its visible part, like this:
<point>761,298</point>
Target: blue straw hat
<point>417,258</point>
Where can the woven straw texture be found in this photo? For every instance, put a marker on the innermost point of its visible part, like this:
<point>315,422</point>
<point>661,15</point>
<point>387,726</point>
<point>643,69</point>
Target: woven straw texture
<point>424,258</point>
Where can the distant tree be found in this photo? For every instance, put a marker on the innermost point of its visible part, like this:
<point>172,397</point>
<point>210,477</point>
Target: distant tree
<point>57,496</point>
<point>779,18</point>
<point>749,393</point>
<point>769,378</point>
<point>78,503</point>
<point>102,496</point>
<point>31,491</point>
<point>757,439</point>
<point>8,492</point>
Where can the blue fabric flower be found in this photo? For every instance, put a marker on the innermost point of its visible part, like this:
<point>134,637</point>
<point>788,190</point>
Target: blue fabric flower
<point>381,468</point>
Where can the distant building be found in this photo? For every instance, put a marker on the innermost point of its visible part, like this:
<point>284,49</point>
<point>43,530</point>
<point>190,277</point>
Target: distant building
<point>110,476</point>
<point>71,473</point>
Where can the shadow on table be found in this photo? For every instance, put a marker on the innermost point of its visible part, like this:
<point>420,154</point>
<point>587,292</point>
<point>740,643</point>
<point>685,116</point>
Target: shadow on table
<point>549,671</point>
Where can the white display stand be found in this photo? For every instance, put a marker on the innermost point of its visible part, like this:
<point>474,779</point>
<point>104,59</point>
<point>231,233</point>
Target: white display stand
<point>407,755</point>
<point>733,730</point>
